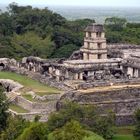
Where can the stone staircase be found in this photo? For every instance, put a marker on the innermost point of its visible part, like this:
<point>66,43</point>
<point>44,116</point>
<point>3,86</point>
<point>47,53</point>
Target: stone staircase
<point>12,96</point>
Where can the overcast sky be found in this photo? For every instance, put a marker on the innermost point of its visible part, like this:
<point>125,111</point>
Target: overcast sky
<point>122,3</point>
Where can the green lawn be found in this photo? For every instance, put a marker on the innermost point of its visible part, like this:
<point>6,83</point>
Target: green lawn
<point>43,93</point>
<point>29,83</point>
<point>17,108</point>
<point>123,137</point>
<point>28,97</point>
<point>124,133</point>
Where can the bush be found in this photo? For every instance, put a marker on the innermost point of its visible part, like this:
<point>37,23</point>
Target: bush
<point>36,131</point>
<point>73,131</point>
<point>137,128</point>
<point>85,115</point>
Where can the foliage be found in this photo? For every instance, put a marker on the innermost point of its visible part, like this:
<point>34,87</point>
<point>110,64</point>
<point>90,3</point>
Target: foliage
<point>25,31</point>
<point>129,33</point>
<point>3,109</point>
<point>123,137</point>
<point>115,24</point>
<point>103,126</point>
<point>17,108</point>
<point>40,32</point>
<point>30,43</point>
<point>65,51</point>
<point>29,83</point>
<point>73,131</point>
<point>86,115</point>
<point>137,129</point>
<point>36,131</point>
<point>15,126</point>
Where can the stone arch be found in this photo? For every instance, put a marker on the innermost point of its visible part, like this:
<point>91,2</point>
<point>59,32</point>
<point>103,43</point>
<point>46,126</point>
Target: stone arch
<point>85,75</point>
<point>1,85</point>
<point>2,66</point>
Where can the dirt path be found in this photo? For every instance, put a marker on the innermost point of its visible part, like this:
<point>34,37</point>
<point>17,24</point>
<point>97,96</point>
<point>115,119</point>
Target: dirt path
<point>109,88</point>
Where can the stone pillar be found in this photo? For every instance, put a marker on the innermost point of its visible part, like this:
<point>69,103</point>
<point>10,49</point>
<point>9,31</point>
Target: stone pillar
<point>85,45</point>
<point>93,35</point>
<point>104,56</point>
<point>85,56</point>
<point>57,73</point>
<point>103,35</point>
<point>81,76</point>
<point>28,67</point>
<point>34,69</point>
<point>130,71</point>
<point>76,76</point>
<point>18,65</point>
<point>86,34</point>
<point>67,74</point>
<point>38,68</point>
<point>121,67</point>
<point>50,70</point>
<point>136,74</point>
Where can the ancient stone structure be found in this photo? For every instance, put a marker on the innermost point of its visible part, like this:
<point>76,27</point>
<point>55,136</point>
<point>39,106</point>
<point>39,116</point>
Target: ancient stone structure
<point>105,75</point>
<point>123,102</point>
<point>95,61</point>
<point>10,85</point>
<point>94,43</point>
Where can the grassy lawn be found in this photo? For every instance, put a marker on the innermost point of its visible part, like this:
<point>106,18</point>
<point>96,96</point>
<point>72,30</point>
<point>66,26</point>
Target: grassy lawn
<point>43,93</point>
<point>18,109</point>
<point>29,83</point>
<point>123,137</point>
<point>124,133</point>
<point>29,97</point>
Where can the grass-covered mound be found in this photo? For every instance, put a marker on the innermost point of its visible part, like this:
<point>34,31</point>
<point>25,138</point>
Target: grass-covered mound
<point>29,84</point>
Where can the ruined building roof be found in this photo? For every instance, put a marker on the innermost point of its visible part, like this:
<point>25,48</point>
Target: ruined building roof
<point>94,28</point>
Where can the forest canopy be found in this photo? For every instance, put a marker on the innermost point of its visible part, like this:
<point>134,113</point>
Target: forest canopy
<point>26,31</point>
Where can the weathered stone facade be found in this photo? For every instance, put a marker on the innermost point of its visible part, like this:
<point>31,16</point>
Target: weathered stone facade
<point>10,85</point>
<point>95,66</point>
<point>123,102</point>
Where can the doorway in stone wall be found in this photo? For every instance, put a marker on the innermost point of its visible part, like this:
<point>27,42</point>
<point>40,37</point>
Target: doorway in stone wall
<point>99,56</point>
<point>2,66</point>
<point>85,75</point>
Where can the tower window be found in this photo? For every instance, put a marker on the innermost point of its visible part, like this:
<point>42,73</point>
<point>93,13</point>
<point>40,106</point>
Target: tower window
<point>99,56</point>
<point>89,34</point>
<point>98,34</point>
<point>99,45</point>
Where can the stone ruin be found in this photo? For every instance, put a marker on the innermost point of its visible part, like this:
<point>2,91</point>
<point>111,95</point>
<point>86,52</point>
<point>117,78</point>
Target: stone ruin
<point>96,64</point>
<point>10,85</point>
<point>95,61</point>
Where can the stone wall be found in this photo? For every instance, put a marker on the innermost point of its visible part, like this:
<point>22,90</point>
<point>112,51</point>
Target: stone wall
<point>31,116</point>
<point>34,106</point>
<point>10,85</point>
<point>123,102</point>
<point>38,77</point>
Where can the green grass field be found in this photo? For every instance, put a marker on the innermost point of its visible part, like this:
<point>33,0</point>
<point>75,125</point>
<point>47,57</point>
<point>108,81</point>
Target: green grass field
<point>29,84</point>
<point>124,133</point>
<point>123,137</point>
<point>29,97</point>
<point>18,109</point>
